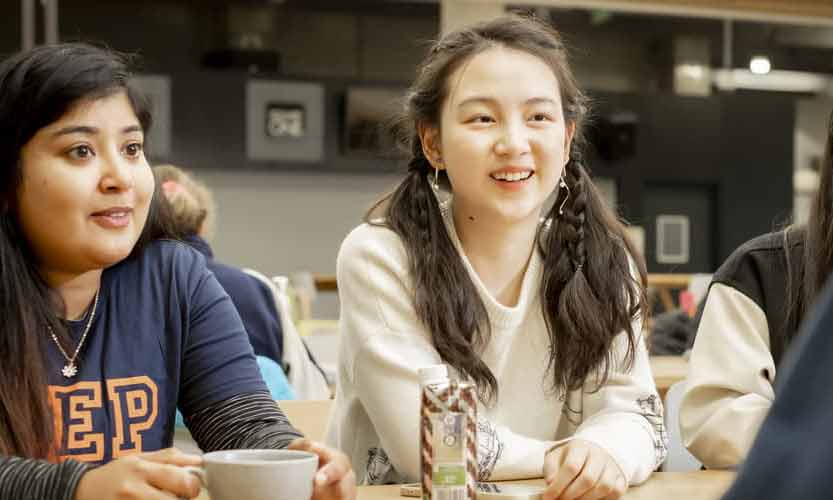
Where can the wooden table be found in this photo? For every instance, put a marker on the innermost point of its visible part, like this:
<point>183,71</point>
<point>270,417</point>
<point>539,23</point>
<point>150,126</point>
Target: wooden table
<point>668,370</point>
<point>699,485</point>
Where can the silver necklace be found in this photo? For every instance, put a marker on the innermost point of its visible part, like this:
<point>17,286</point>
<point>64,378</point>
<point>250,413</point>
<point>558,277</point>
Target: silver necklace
<point>70,369</point>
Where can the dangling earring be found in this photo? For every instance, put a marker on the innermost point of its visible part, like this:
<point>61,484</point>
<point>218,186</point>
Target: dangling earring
<point>563,185</point>
<point>435,182</point>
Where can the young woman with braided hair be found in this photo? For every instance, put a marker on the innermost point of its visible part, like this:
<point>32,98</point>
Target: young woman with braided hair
<point>466,263</point>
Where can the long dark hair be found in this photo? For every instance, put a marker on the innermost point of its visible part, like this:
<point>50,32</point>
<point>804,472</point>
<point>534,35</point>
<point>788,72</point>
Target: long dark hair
<point>807,276</point>
<point>588,292</point>
<point>36,88</point>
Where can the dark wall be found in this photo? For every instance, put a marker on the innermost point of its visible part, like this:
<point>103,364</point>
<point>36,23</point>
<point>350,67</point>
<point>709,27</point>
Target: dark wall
<point>9,26</point>
<point>337,47</point>
<point>741,143</point>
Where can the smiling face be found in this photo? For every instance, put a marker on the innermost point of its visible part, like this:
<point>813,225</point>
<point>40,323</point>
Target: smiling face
<point>502,139</point>
<point>86,187</point>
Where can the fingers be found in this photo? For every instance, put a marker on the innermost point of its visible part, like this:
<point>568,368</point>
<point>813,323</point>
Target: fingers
<point>586,480</point>
<point>332,464</point>
<point>334,471</point>
<point>619,488</point>
<point>302,444</point>
<point>172,456</point>
<point>343,489</point>
<point>569,462</point>
<point>172,479</point>
<point>335,479</point>
<point>610,486</point>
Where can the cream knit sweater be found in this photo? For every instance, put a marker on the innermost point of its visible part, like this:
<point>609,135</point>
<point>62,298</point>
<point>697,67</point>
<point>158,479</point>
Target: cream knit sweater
<point>376,416</point>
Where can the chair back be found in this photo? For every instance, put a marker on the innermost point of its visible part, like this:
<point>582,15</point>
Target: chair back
<point>679,459</point>
<point>306,378</point>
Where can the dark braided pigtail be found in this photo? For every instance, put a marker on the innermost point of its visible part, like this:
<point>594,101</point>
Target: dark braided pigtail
<point>445,298</point>
<point>585,250</point>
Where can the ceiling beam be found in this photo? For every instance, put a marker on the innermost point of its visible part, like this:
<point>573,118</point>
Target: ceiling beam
<point>805,12</point>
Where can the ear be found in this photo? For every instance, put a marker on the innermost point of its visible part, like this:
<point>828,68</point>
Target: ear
<point>429,139</point>
<point>569,133</point>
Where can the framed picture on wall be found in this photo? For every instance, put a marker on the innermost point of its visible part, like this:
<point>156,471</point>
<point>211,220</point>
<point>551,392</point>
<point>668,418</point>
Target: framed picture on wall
<point>284,121</point>
<point>367,111</point>
<point>673,233</point>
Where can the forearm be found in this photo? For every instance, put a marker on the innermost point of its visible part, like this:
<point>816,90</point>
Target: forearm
<point>245,421</point>
<point>506,455</point>
<point>729,384</point>
<point>719,430</point>
<point>30,479</point>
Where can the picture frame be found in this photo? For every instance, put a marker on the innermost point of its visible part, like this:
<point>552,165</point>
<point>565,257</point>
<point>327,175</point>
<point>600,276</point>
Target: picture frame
<point>284,121</point>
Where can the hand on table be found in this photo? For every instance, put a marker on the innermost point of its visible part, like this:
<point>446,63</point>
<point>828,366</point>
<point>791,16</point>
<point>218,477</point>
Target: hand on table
<point>157,475</point>
<point>335,479</point>
<point>580,470</point>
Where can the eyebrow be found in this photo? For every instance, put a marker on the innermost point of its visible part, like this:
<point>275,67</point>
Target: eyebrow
<point>490,100</point>
<point>84,129</point>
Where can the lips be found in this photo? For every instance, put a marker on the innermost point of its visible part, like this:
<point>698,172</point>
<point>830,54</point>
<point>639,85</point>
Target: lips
<point>113,217</point>
<point>114,212</point>
<point>512,174</point>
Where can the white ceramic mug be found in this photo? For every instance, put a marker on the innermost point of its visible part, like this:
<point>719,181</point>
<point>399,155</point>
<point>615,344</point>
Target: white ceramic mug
<point>258,474</point>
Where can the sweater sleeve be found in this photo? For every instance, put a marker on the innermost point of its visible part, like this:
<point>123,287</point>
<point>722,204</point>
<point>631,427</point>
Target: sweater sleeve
<point>625,416</point>
<point>729,385</point>
<point>30,479</point>
<point>246,421</point>
<point>383,345</point>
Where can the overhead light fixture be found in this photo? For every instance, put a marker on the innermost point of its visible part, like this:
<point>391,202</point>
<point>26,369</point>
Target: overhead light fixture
<point>775,80</point>
<point>760,65</point>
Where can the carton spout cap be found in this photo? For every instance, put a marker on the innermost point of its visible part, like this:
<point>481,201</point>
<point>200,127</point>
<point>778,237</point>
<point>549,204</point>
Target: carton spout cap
<point>432,374</point>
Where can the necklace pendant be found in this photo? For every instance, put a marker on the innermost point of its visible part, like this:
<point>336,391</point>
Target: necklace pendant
<point>69,370</point>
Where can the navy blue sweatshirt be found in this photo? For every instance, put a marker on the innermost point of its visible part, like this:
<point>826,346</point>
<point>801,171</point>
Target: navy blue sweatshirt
<point>254,302</point>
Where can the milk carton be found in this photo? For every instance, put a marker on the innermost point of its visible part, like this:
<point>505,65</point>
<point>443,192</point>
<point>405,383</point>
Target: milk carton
<point>448,436</point>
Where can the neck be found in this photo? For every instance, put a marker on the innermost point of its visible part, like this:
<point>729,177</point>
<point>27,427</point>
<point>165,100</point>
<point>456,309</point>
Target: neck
<point>76,290</point>
<point>499,251</point>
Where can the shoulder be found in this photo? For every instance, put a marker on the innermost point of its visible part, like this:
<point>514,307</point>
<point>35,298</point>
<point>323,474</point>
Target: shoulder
<point>776,241</point>
<point>372,243</point>
<point>246,291</point>
<point>229,276</point>
<point>761,252</point>
<point>163,257</point>
<point>758,268</point>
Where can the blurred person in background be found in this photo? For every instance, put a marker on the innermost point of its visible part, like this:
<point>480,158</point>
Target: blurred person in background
<point>791,456</point>
<point>101,311</point>
<point>539,305</point>
<point>753,312</point>
<point>288,366</point>
<point>192,214</point>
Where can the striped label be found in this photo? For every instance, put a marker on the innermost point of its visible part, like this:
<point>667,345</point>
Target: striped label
<point>449,441</point>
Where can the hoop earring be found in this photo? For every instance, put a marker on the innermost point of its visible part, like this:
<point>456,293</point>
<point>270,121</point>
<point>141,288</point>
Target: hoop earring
<point>563,185</point>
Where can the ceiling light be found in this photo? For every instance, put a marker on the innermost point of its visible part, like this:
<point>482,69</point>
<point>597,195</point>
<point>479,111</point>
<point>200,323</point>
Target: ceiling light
<point>775,80</point>
<point>759,65</point>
